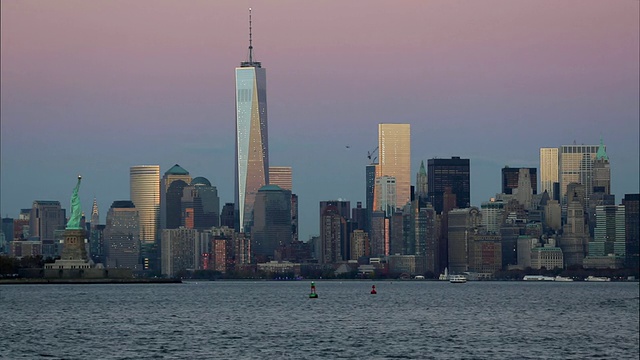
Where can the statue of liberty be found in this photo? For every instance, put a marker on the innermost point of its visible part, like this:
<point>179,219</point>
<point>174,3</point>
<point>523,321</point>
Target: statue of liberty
<point>76,211</point>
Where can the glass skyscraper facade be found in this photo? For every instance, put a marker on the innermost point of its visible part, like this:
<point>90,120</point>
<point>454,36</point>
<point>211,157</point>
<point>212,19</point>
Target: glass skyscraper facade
<point>576,166</point>
<point>549,171</point>
<point>144,188</point>
<point>394,153</point>
<point>252,149</point>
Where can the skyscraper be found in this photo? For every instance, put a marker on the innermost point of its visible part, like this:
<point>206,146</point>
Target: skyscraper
<point>252,149</point>
<point>394,143</point>
<point>422,188</point>
<point>510,177</point>
<point>45,218</point>
<point>281,176</point>
<point>272,221</point>
<point>171,189</point>
<point>386,195</point>
<point>200,205</point>
<point>449,173</point>
<point>631,204</point>
<point>549,171</point>
<point>601,171</point>
<point>576,166</point>
<point>144,188</point>
<point>333,230</point>
<point>122,236</point>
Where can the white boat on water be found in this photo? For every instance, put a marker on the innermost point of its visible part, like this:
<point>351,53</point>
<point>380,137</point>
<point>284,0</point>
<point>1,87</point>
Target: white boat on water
<point>562,278</point>
<point>597,278</point>
<point>445,276</point>
<point>538,278</point>
<point>457,279</point>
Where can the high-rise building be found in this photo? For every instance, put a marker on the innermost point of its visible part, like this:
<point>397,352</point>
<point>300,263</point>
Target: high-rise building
<point>631,204</point>
<point>511,176</point>
<point>422,181</point>
<point>461,225</point>
<point>359,244</point>
<point>46,217</point>
<point>272,221</point>
<point>144,188</point>
<point>200,205</point>
<point>449,173</point>
<point>180,251</point>
<point>370,182</point>
<point>252,148</point>
<point>334,215</point>
<point>549,171</point>
<point>609,233</point>
<point>281,176</point>
<point>172,185</point>
<point>122,236</point>
<point>576,166</point>
<point>386,195</point>
<point>95,214</point>
<point>601,171</point>
<point>394,144</point>
<point>575,232</point>
<point>492,216</point>
<point>227,215</point>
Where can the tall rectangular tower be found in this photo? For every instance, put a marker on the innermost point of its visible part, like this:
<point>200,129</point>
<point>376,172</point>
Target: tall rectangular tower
<point>281,176</point>
<point>144,188</point>
<point>449,173</point>
<point>549,171</point>
<point>576,166</point>
<point>394,149</point>
<point>252,149</point>
<point>510,178</point>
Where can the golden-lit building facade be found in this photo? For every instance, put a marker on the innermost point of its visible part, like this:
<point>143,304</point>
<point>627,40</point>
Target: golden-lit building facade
<point>394,155</point>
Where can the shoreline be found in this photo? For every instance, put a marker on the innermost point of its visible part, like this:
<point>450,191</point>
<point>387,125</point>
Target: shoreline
<point>41,281</point>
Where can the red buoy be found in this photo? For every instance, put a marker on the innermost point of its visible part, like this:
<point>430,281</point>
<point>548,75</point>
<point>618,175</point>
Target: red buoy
<point>373,289</point>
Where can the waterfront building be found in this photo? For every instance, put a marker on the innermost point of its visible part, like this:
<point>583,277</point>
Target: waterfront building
<point>172,185</point>
<point>485,253</point>
<point>333,230</point>
<point>22,248</point>
<point>180,251</point>
<point>406,264</point>
<point>144,189</point>
<point>631,204</point>
<point>122,236</point>
<point>609,232</point>
<point>548,257</point>
<point>394,150</point>
<point>45,218</point>
<point>272,221</point>
<point>360,246</point>
<point>449,173</point>
<point>252,148</point>
<point>462,222</point>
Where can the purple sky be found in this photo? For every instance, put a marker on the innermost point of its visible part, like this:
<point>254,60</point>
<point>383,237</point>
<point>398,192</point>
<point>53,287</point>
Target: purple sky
<point>94,87</point>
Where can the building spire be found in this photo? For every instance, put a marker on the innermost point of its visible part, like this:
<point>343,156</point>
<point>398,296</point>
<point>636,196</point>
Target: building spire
<point>250,61</point>
<point>602,153</point>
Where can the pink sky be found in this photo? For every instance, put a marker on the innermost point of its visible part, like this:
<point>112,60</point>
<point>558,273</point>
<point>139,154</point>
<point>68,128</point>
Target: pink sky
<point>97,86</point>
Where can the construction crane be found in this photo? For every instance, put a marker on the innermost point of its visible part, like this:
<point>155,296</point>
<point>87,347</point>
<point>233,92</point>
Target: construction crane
<point>371,153</point>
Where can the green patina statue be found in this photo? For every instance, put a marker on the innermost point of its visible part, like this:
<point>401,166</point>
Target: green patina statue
<point>76,211</point>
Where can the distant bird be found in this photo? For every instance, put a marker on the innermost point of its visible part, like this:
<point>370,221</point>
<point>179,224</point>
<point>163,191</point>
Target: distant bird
<point>347,146</point>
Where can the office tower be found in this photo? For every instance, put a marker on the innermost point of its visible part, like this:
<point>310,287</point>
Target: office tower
<point>631,204</point>
<point>334,215</point>
<point>272,221</point>
<point>7,228</point>
<point>172,185</point>
<point>281,176</point>
<point>180,251</point>
<point>549,161</point>
<point>492,216</point>
<point>422,183</point>
<point>576,166</point>
<point>511,176</point>
<point>575,233</point>
<point>462,222</point>
<point>609,232</point>
<point>122,236</point>
<point>426,235</point>
<point>359,244</point>
<point>601,171</point>
<point>144,189</point>
<point>45,218</point>
<point>379,234</point>
<point>252,149</point>
<point>396,231</point>
<point>359,216</point>
<point>452,173</point>
<point>96,244</point>
<point>553,215</point>
<point>95,214</point>
<point>386,194</point>
<point>523,192</point>
<point>370,181</point>
<point>200,205</point>
<point>294,217</point>
<point>227,215</point>
<point>394,144</point>
<point>485,253</point>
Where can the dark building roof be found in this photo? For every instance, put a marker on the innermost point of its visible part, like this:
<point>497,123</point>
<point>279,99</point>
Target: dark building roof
<point>123,204</point>
<point>271,187</point>
<point>199,180</point>
<point>176,170</point>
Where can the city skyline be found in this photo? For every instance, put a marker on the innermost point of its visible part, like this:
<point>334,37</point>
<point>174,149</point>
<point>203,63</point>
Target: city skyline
<point>89,89</point>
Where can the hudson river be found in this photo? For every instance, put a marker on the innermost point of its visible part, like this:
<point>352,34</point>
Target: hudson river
<point>277,320</point>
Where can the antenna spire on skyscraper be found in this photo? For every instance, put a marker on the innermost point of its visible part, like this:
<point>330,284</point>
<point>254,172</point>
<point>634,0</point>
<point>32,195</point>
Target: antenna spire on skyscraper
<point>250,40</point>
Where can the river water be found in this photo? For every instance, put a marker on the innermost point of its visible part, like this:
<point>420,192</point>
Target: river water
<point>277,320</point>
